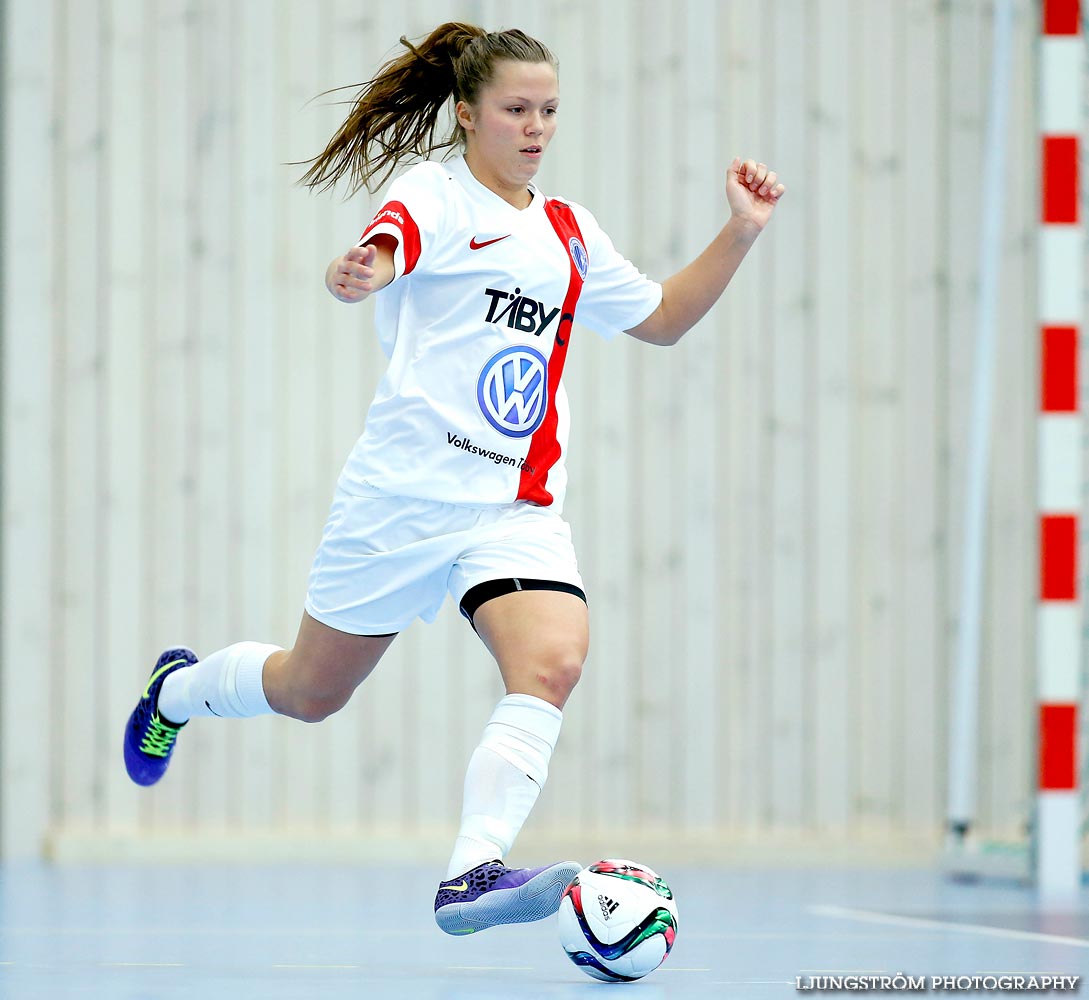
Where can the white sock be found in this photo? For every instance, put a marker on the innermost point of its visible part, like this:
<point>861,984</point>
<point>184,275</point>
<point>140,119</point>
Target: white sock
<point>505,776</point>
<point>228,684</point>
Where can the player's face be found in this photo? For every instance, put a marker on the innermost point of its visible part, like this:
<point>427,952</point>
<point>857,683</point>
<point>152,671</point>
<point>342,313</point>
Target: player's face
<point>510,126</point>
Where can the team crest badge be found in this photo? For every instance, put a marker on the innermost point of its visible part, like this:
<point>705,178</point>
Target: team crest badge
<point>579,256</point>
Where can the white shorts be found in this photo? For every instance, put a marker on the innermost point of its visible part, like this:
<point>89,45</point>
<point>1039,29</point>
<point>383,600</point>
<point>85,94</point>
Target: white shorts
<point>385,561</point>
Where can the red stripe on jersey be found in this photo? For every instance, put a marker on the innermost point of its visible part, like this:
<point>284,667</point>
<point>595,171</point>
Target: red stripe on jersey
<point>1060,17</point>
<point>1060,178</point>
<point>544,446</point>
<point>394,212</point>
<point>1058,557</point>
<point>1059,369</point>
<point>1058,740</point>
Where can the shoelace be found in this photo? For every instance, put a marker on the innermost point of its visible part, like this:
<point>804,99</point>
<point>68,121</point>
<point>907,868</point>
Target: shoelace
<point>159,739</point>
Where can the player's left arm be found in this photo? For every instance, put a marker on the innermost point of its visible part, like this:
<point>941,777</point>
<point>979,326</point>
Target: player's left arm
<point>752,191</point>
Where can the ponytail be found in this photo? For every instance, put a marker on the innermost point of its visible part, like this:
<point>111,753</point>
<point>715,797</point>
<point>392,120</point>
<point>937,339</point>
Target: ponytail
<point>395,115</point>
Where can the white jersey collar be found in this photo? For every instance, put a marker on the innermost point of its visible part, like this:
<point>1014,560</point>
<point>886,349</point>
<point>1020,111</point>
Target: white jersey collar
<point>460,169</point>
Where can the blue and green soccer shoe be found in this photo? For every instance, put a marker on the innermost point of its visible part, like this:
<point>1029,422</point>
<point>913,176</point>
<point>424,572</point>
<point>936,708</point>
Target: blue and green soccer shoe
<point>149,738</point>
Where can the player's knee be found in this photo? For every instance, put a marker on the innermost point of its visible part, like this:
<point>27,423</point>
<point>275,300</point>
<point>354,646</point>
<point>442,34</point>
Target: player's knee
<point>303,689</point>
<point>560,670</point>
<point>315,706</point>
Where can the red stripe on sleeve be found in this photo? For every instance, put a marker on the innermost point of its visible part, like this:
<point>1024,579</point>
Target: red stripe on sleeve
<point>544,446</point>
<point>1059,369</point>
<point>1059,167</point>
<point>395,213</point>
<point>1061,17</point>
<point>1058,747</point>
<point>1058,557</point>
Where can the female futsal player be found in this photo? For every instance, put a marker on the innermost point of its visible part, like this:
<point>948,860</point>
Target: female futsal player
<point>457,482</point>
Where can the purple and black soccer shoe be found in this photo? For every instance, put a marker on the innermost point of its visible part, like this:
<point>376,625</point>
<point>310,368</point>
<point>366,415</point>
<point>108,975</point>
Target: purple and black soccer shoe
<point>493,894</point>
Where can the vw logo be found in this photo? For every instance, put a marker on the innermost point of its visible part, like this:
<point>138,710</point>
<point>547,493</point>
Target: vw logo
<point>512,391</point>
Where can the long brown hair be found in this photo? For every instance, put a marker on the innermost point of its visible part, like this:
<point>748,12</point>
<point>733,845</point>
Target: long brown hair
<point>395,115</point>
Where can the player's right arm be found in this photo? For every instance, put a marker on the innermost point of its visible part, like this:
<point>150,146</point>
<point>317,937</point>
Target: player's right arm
<point>363,270</point>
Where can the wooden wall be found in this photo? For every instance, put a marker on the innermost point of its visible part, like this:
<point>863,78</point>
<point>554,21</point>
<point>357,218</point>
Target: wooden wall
<point>767,515</point>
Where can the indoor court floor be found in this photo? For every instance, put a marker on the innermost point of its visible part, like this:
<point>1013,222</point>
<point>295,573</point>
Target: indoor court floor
<point>328,932</point>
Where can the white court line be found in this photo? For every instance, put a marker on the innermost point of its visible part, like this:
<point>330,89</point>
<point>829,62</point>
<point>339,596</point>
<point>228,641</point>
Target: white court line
<point>141,965</point>
<point>317,966</point>
<point>868,916</point>
<point>491,968</point>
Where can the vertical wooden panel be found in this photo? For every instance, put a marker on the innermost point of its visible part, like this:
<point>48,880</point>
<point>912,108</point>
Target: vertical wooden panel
<point>833,761</point>
<point>217,274</point>
<point>257,574</point>
<point>708,566</point>
<point>920,674</point>
<point>872,181</point>
<point>169,471</point>
<point>789,323</point>
<point>30,169</point>
<point>79,372</point>
<point>702,210</point>
<point>654,440</point>
<point>303,749</point>
<point>746,697</point>
<point>128,650</point>
<point>607,559</point>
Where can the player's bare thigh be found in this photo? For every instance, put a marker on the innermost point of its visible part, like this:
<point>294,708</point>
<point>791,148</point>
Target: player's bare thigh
<point>539,638</point>
<point>318,675</point>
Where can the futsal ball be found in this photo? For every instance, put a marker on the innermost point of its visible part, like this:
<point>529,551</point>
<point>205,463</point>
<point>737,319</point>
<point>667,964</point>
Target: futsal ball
<point>618,921</point>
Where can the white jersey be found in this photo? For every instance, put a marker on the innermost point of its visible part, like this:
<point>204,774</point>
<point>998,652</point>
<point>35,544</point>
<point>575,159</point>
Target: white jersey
<point>476,325</point>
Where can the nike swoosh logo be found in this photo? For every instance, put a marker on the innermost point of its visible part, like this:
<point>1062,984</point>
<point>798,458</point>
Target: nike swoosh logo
<point>457,888</point>
<point>162,670</point>
<point>475,245</point>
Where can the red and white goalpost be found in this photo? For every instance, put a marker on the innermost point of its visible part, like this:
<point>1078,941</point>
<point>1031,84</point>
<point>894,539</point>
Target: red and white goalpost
<point>1061,261</point>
